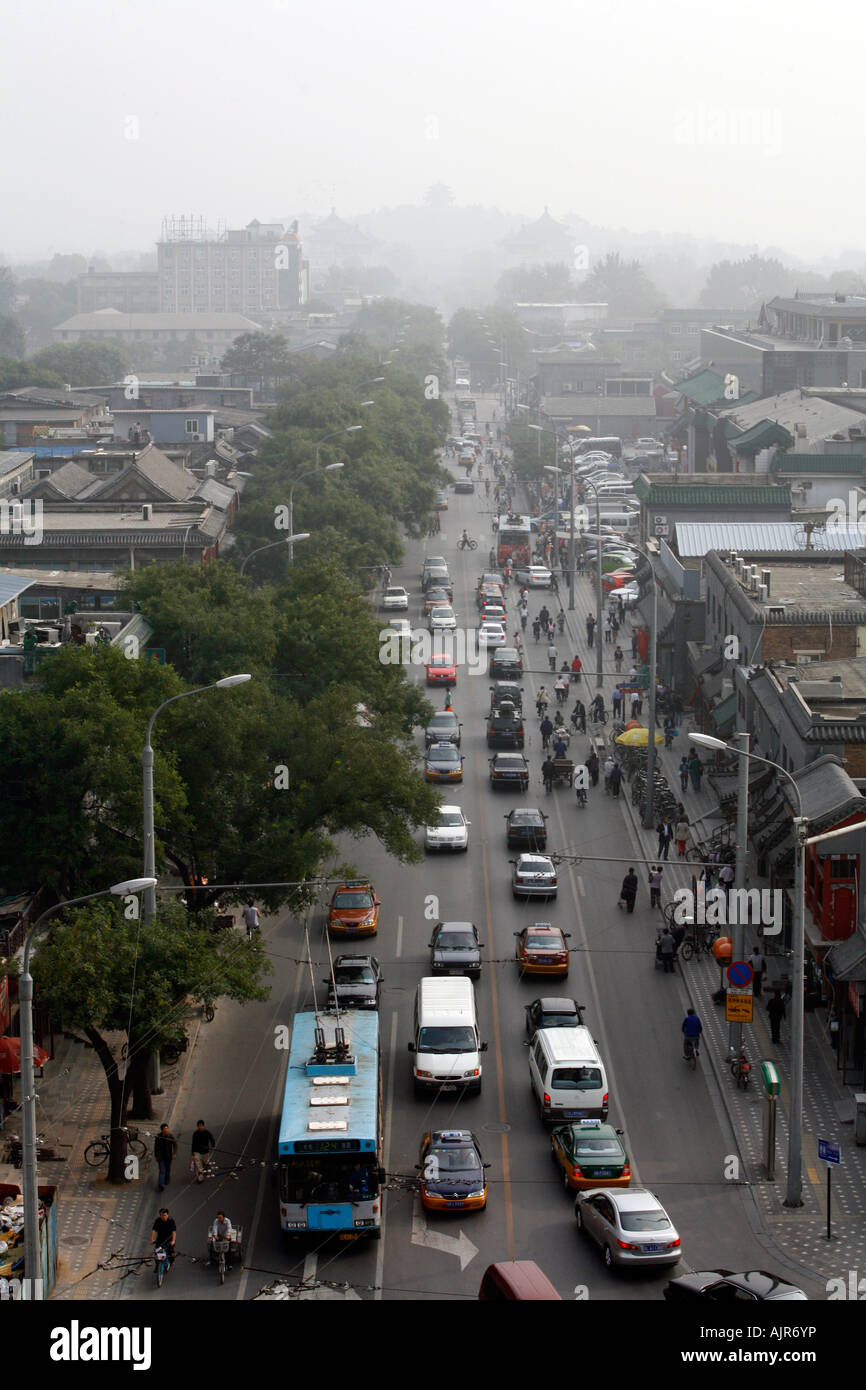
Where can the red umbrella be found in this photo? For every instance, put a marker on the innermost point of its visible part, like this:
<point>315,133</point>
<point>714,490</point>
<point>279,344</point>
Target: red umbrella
<point>10,1055</point>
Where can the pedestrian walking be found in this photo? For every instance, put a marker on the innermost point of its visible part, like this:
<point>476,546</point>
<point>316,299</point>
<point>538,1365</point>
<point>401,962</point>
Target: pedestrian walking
<point>681,831</point>
<point>203,1145</point>
<point>667,949</point>
<point>628,891</point>
<point>164,1151</point>
<point>616,702</point>
<point>590,630</point>
<point>759,966</point>
<point>677,708</point>
<point>669,732</point>
<point>696,771</point>
<point>776,1011</point>
<point>609,766</point>
<point>683,770</point>
<point>635,706</point>
<point>252,921</point>
<point>615,780</point>
<point>608,629</point>
<point>617,659</point>
<point>726,879</point>
<point>634,646</point>
<point>655,885</point>
<point>665,833</point>
<point>592,767</point>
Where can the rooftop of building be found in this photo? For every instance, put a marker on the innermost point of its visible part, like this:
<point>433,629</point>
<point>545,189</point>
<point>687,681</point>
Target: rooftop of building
<point>112,320</point>
<point>811,589</point>
<point>808,418</point>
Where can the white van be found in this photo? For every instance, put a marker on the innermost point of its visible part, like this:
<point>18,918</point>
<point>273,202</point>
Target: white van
<point>567,1075</point>
<point>622,522</point>
<point>446,1048</point>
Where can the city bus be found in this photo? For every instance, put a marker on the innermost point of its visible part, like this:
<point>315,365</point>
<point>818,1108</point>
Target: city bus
<point>513,539</point>
<point>609,444</point>
<point>329,1151</point>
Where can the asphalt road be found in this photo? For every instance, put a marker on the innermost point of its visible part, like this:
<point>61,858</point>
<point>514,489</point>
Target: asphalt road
<point>677,1133</point>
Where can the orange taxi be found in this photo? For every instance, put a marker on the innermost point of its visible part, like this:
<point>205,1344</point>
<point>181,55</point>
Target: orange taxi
<point>542,950</point>
<point>354,909</point>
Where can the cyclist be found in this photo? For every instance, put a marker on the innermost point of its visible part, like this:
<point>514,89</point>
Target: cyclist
<point>464,540</point>
<point>536,629</point>
<point>487,487</point>
<point>222,1229</point>
<point>692,1029</point>
<point>164,1233</point>
<point>552,656</point>
<point>560,620</point>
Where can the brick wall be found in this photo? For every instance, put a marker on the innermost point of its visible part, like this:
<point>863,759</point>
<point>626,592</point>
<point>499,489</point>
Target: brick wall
<point>780,642</point>
<point>855,759</point>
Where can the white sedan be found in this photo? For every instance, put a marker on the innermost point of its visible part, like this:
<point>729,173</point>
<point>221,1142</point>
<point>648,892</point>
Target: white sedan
<point>442,618</point>
<point>491,635</point>
<point>449,831</point>
<point>538,577</point>
<point>395,599</point>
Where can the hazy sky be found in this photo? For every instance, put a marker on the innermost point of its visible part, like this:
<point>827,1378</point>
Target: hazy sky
<point>740,120</point>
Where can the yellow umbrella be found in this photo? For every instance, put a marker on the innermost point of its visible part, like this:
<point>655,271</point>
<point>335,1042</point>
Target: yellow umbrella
<point>638,738</point>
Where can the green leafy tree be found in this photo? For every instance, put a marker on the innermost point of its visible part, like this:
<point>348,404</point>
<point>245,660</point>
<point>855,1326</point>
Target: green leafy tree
<point>19,372</point>
<point>8,290</point>
<point>746,284</point>
<point>12,339</point>
<point>84,363</point>
<point>550,283</point>
<point>46,304</point>
<point>101,974</point>
<point>265,355</point>
<point>623,285</point>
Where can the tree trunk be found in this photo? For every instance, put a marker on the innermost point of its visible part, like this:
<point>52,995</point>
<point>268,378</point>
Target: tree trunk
<point>139,1087</point>
<point>117,1094</point>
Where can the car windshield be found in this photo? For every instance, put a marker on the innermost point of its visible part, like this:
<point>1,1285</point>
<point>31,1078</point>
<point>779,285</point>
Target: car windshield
<point>442,755</point>
<point>644,1221</point>
<point>444,1040</point>
<point>576,1079</point>
<point>509,764</point>
<point>598,1148</point>
<point>526,818</point>
<point>396,593</point>
<point>560,1020</point>
<point>355,975</point>
<point>449,818</point>
<point>453,1160</point>
<point>544,943</point>
<point>443,721</point>
<point>455,941</point>
<point>353,900</point>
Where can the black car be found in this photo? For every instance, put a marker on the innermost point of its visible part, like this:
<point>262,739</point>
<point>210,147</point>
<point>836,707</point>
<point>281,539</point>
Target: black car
<point>455,949</point>
<point>505,728</point>
<point>506,693</point>
<point>553,1013</point>
<point>509,770</point>
<point>464,485</point>
<point>505,663</point>
<point>723,1286</point>
<point>526,828</point>
<point>444,727</point>
<point>356,983</point>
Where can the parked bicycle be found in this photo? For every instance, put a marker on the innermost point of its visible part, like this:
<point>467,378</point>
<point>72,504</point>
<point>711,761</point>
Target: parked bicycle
<point>99,1151</point>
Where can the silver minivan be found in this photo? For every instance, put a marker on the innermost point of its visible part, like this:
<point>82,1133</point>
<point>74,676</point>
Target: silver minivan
<point>567,1075</point>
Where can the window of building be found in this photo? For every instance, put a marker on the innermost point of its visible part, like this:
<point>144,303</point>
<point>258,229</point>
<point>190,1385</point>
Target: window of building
<point>191,426</point>
<point>675,330</point>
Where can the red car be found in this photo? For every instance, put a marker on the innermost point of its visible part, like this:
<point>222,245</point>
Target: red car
<point>617,579</point>
<point>541,950</point>
<point>441,670</point>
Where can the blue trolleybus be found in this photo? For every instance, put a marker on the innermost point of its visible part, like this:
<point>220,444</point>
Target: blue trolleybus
<point>330,1144</point>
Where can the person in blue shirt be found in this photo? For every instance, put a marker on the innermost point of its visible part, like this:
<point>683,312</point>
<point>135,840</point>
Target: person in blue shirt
<point>692,1029</point>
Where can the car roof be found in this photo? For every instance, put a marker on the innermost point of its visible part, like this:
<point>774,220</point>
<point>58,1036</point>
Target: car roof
<point>443,714</point>
<point>549,1004</point>
<point>505,757</point>
<point>459,809</point>
<point>444,744</point>
<point>543,927</point>
<point>453,1136</point>
<point>525,811</point>
<point>357,960</point>
<point>635,1199</point>
<point>539,858</point>
<point>456,926</point>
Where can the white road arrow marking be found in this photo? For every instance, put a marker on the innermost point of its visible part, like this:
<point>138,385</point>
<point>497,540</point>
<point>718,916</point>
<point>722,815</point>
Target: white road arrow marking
<point>461,1245</point>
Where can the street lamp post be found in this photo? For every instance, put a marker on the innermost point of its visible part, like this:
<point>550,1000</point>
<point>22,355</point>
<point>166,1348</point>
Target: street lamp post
<point>328,468</point>
<point>599,598</point>
<point>299,536</point>
<point>30,1179</point>
<point>794,1193</point>
<point>147,778</point>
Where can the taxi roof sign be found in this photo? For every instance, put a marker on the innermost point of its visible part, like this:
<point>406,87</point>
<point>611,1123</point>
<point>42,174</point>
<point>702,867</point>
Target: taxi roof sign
<point>451,1134</point>
<point>590,1124</point>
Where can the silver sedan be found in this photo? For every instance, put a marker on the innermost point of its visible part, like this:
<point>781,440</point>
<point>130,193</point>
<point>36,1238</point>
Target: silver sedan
<point>631,1226</point>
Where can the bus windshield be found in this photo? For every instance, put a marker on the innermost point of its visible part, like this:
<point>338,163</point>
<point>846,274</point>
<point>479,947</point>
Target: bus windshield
<point>513,539</point>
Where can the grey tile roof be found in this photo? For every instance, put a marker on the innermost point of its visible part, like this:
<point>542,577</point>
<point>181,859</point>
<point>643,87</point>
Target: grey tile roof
<point>764,538</point>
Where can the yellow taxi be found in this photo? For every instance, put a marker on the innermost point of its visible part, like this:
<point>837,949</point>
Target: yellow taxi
<point>354,909</point>
<point>452,1171</point>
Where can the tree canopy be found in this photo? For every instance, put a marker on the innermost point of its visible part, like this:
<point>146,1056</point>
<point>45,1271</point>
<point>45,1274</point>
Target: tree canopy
<point>623,285</point>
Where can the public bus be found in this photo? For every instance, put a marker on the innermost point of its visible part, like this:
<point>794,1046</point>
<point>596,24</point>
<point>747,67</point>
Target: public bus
<point>609,444</point>
<point>513,539</point>
<point>329,1151</point>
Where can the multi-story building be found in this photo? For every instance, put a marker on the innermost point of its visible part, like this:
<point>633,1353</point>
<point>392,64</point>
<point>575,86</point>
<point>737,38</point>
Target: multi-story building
<point>257,269</point>
<point>817,340</point>
<point>132,292</point>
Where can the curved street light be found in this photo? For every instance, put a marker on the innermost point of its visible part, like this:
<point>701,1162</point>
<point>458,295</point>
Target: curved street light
<point>29,1152</point>
<point>147,777</point>
<point>328,468</point>
<point>289,540</point>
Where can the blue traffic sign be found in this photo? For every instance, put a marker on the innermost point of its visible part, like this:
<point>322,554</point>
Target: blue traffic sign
<point>740,974</point>
<point>829,1153</point>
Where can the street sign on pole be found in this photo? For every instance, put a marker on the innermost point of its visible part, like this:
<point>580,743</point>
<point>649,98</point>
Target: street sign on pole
<point>739,1006</point>
<point>740,974</point>
<point>831,1154</point>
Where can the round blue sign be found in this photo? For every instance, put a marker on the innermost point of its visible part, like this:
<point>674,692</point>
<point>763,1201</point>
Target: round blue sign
<point>740,973</point>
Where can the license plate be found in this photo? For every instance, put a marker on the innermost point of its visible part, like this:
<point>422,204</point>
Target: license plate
<point>454,1204</point>
<point>602,1173</point>
<point>574,1114</point>
<point>652,1249</point>
<point>449,1086</point>
<point>543,960</point>
<point>347,1236</point>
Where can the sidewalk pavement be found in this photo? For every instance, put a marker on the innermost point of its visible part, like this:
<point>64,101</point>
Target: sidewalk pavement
<point>95,1219</point>
<point>799,1236</point>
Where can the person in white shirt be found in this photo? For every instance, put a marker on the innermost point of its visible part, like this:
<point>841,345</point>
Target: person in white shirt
<point>251,919</point>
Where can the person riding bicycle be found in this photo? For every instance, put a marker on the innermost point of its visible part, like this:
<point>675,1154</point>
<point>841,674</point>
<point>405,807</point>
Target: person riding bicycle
<point>542,700</point>
<point>164,1234</point>
<point>222,1229</point>
<point>548,772</point>
<point>561,689</point>
<point>487,487</point>
<point>692,1029</point>
<point>252,921</point>
<point>464,540</point>
<point>545,730</point>
<point>560,620</point>
<point>536,628</point>
<point>560,748</point>
<point>552,656</point>
<point>598,711</point>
